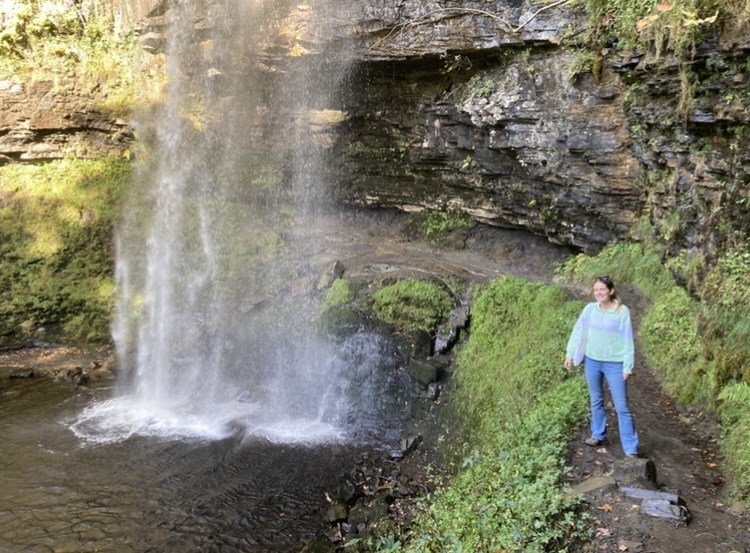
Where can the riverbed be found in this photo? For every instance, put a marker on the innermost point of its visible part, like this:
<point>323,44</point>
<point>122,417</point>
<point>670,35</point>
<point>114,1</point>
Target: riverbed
<point>62,494</point>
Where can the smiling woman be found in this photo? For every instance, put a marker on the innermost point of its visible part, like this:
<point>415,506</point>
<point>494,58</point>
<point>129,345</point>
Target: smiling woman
<point>603,333</point>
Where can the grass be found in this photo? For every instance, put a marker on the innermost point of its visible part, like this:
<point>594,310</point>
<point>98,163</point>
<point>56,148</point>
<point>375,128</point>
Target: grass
<point>81,42</point>
<point>56,225</point>
<point>518,408</point>
<point>698,343</point>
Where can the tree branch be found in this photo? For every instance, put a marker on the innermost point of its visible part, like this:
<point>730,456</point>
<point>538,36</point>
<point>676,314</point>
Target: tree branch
<point>426,18</point>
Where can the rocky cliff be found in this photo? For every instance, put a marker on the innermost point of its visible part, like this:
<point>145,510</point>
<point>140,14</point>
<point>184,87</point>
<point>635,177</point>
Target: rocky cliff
<point>42,121</point>
<point>485,109</point>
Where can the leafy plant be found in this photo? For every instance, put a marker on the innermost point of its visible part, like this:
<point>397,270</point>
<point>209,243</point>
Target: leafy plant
<point>623,262</point>
<point>735,424</point>
<point>724,314</point>
<point>479,86</point>
<point>518,408</point>
<point>656,29</point>
<point>671,343</point>
<point>437,224</point>
<point>79,41</point>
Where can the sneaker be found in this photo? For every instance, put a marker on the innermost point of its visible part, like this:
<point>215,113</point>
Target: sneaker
<point>593,442</point>
<point>633,455</point>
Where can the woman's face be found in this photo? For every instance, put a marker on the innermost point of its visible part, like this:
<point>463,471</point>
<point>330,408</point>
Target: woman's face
<point>602,293</point>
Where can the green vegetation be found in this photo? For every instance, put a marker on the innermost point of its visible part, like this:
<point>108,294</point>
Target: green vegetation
<point>437,224</point>
<point>583,62</point>
<point>56,248</point>
<point>480,85</point>
<point>733,408</point>
<point>340,293</point>
<point>658,29</point>
<point>76,41</point>
<point>654,26</point>
<point>518,408</point>
<point>412,305</point>
<point>698,344</point>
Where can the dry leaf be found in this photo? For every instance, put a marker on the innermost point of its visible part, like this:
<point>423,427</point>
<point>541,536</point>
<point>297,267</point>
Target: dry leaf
<point>623,547</point>
<point>646,22</point>
<point>606,507</point>
<point>712,465</point>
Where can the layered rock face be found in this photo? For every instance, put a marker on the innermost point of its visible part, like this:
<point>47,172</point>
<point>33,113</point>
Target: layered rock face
<point>479,108</point>
<point>40,121</point>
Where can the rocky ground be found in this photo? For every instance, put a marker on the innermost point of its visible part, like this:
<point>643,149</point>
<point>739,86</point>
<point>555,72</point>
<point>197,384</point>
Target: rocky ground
<point>680,459</point>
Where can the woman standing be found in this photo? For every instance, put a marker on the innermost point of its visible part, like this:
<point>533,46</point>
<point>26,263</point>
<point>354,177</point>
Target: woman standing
<point>603,339</point>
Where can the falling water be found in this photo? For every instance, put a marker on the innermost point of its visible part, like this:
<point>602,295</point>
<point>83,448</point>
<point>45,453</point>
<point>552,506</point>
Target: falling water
<point>214,324</point>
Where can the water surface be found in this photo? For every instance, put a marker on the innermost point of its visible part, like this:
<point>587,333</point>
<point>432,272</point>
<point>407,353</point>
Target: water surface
<point>60,493</point>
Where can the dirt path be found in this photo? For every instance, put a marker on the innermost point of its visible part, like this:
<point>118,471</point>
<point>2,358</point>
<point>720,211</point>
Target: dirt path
<point>682,444</point>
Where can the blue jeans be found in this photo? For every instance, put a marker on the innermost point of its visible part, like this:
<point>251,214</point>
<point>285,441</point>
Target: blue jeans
<point>596,372</point>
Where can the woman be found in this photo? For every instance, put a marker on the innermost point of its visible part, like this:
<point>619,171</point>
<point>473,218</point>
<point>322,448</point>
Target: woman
<point>603,339</point>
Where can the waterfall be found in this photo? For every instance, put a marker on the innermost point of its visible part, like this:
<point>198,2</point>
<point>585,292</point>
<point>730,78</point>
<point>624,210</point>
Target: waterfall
<point>216,254</point>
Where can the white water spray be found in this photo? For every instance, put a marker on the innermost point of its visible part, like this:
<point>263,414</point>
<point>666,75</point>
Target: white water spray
<point>213,321</point>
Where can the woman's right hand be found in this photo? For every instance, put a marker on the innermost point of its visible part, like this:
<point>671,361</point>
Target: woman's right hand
<point>568,363</point>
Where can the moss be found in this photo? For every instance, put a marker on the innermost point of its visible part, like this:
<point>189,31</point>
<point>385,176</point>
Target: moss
<point>412,305</point>
<point>340,293</point>
<point>56,224</point>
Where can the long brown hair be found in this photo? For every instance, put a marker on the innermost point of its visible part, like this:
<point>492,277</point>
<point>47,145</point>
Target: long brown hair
<point>613,292</point>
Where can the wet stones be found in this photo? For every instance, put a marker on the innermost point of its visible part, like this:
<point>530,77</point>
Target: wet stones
<point>374,496</point>
<point>659,504</point>
<point>636,479</point>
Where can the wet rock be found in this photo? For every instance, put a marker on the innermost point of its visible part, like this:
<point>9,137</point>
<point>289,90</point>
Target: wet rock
<point>596,484</point>
<point>342,320</point>
<point>366,512</point>
<point>334,271</point>
<point>44,120</point>
<point>646,494</point>
<point>347,492</point>
<point>432,391</point>
<point>423,372</point>
<point>337,512</point>
<point>22,372</point>
<point>662,508</point>
<point>409,444</point>
<point>446,339</point>
<point>414,345</point>
<point>321,544</point>
<point>75,375</point>
<point>634,471</point>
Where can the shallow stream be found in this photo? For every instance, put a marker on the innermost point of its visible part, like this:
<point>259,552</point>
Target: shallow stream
<point>61,494</point>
